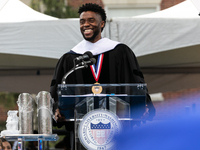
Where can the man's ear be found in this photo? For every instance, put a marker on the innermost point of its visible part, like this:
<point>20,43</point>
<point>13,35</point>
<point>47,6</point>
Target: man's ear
<point>102,24</point>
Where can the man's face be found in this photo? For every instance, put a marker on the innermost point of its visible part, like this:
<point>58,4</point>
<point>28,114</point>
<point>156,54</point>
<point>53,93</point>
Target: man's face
<point>90,26</point>
<point>6,146</point>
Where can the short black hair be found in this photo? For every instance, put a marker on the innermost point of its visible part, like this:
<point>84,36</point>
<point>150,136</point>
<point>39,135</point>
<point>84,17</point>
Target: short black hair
<point>95,8</point>
<point>4,140</point>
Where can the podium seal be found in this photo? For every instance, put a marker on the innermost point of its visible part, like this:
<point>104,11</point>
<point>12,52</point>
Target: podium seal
<point>97,129</point>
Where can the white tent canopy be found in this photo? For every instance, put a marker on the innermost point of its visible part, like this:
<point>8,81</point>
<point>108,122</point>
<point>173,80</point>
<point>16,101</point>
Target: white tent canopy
<point>170,29</point>
<point>48,39</point>
<point>162,32</point>
<point>197,4</point>
<point>16,11</point>
<point>185,9</point>
<point>26,32</point>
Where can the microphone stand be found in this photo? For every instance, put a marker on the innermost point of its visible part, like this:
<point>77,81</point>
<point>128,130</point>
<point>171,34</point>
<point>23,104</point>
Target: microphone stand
<point>72,70</point>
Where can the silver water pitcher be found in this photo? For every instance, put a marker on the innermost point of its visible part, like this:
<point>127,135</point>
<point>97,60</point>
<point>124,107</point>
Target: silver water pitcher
<point>44,108</point>
<point>25,106</point>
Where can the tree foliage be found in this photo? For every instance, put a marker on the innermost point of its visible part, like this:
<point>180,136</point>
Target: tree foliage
<point>55,8</point>
<point>35,4</point>
<point>8,100</point>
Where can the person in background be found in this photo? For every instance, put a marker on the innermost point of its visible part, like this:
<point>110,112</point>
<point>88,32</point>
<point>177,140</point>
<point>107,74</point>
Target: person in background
<point>5,144</point>
<point>0,144</point>
<point>33,145</point>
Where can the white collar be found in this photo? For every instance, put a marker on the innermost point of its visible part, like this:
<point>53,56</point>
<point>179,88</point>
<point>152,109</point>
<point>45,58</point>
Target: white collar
<point>101,46</point>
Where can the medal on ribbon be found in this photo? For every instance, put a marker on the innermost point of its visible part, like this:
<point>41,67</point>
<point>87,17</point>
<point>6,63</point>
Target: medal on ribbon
<point>96,71</point>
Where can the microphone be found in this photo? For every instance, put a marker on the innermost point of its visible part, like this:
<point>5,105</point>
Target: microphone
<point>92,61</point>
<point>87,55</point>
<point>86,63</point>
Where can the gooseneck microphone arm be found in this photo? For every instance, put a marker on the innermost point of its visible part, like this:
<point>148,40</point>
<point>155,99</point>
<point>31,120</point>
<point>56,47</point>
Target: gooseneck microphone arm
<point>68,73</point>
<point>81,65</point>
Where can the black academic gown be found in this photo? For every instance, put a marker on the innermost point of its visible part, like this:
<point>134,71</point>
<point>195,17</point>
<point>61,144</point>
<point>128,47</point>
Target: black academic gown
<point>119,66</point>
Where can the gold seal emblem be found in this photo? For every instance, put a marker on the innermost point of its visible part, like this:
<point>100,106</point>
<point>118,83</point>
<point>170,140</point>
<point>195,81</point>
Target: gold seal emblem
<point>96,89</point>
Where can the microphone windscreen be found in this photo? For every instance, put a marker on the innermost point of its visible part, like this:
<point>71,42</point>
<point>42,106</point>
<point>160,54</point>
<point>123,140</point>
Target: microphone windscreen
<point>93,60</point>
<point>89,54</point>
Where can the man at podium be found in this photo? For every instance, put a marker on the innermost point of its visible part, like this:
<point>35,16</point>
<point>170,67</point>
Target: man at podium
<point>116,62</point>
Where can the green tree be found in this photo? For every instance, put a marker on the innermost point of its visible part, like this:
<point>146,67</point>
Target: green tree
<point>55,8</point>
<point>8,101</point>
<point>35,4</point>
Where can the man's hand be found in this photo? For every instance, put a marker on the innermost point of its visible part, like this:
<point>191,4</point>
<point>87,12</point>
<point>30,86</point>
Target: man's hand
<point>58,116</point>
<point>146,113</point>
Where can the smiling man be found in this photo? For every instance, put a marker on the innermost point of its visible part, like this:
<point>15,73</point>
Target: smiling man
<point>91,25</point>
<point>118,63</point>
